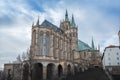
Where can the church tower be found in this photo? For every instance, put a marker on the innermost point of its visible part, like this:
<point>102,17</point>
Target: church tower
<point>74,34</point>
<point>65,25</point>
<point>71,31</point>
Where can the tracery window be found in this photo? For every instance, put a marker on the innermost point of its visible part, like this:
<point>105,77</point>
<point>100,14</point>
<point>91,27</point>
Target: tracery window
<point>53,45</point>
<point>34,37</point>
<point>61,44</point>
<point>41,43</point>
<point>47,44</point>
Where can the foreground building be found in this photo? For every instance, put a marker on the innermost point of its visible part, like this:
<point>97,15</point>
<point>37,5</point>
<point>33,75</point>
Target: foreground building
<point>111,59</point>
<point>13,71</point>
<point>55,51</point>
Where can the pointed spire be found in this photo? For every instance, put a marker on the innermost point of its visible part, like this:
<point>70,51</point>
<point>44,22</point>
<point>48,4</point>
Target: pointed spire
<point>32,24</point>
<point>37,21</point>
<point>66,16</point>
<point>93,44</point>
<point>73,22</point>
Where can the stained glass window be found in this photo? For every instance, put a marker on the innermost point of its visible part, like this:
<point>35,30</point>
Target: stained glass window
<point>41,43</point>
<point>34,37</point>
<point>47,44</point>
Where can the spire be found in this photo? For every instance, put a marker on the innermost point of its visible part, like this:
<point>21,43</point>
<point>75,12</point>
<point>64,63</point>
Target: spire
<point>37,21</point>
<point>32,24</point>
<point>93,44</point>
<point>73,22</point>
<point>66,16</point>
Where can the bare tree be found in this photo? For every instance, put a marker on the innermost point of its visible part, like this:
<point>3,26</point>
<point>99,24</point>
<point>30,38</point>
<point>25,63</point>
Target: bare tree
<point>2,77</point>
<point>28,58</point>
<point>23,56</point>
<point>30,61</point>
<point>25,72</point>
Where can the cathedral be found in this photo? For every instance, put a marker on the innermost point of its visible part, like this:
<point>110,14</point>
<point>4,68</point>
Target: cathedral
<point>56,51</point>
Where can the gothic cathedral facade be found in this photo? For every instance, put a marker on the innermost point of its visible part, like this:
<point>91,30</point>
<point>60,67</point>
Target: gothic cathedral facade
<point>54,49</point>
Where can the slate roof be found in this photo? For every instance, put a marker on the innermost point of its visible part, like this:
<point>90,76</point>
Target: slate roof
<point>83,46</point>
<point>50,25</point>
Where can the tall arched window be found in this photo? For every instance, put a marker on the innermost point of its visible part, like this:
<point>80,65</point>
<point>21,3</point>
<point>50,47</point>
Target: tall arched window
<point>47,44</point>
<point>53,45</point>
<point>34,37</point>
<point>41,43</point>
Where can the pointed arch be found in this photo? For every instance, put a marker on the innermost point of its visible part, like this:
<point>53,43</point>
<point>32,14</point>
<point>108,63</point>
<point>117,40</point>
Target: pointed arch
<point>50,71</point>
<point>60,70</point>
<point>69,69</point>
<point>37,72</point>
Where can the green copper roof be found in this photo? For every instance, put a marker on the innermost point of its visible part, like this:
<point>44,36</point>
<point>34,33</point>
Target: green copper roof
<point>73,25</point>
<point>83,46</point>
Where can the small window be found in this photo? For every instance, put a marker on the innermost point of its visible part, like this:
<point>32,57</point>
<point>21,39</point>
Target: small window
<point>109,63</point>
<point>117,53</point>
<point>117,58</point>
<point>118,63</point>
<point>110,49</point>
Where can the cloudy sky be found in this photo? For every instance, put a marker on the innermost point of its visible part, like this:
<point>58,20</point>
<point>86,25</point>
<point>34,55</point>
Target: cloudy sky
<point>97,18</point>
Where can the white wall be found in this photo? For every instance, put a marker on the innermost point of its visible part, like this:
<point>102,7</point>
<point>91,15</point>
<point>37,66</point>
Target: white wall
<point>110,57</point>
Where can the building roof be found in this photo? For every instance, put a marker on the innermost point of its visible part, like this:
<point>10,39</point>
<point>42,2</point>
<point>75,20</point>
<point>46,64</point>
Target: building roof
<point>83,46</point>
<point>50,25</point>
<point>112,46</point>
<point>73,25</point>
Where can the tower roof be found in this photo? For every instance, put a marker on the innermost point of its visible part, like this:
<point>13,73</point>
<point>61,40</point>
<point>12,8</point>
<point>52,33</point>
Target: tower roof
<point>66,16</point>
<point>73,22</point>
